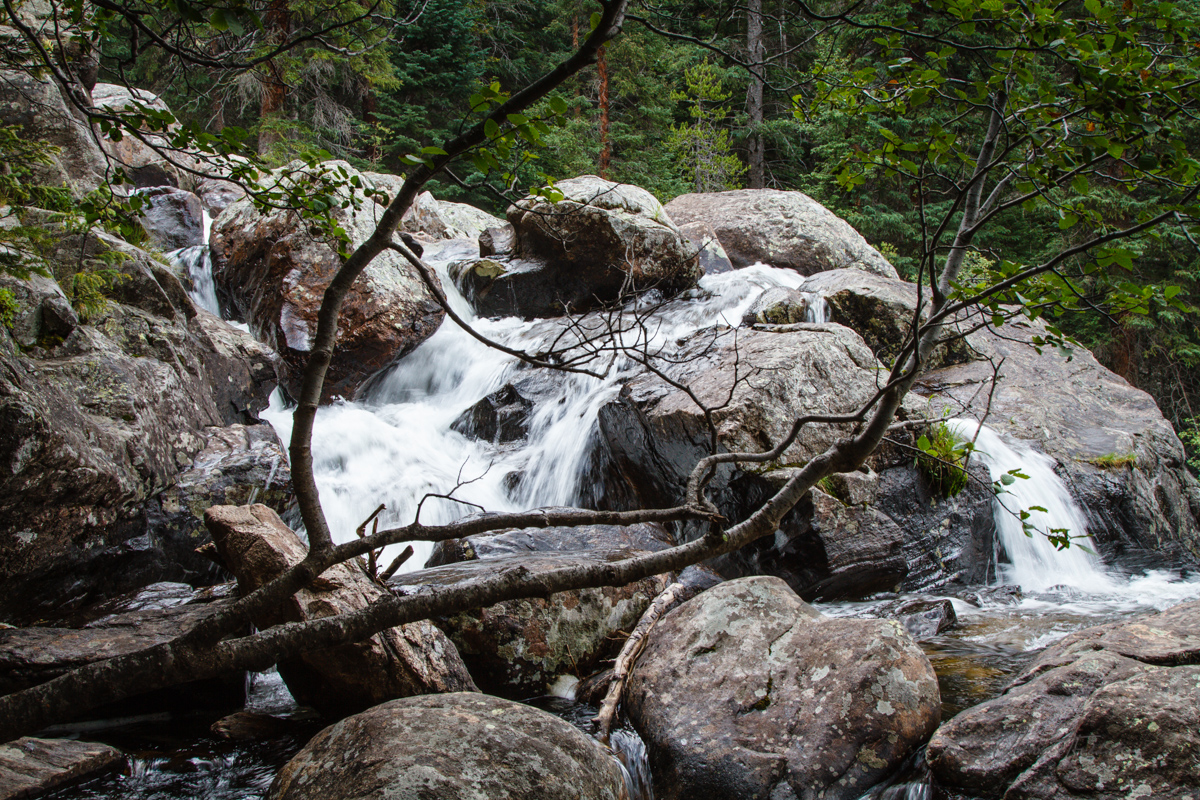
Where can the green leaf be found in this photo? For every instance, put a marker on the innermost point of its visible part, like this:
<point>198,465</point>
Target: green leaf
<point>434,151</point>
<point>491,129</point>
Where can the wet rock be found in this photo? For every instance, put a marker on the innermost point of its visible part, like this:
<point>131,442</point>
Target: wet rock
<point>713,259</point>
<point>31,767</point>
<point>95,425</point>
<point>249,726</point>
<point>520,647</point>
<point>1077,412</point>
<point>398,662</point>
<point>946,539</point>
<point>603,242</point>
<point>274,273</point>
<point>778,306</point>
<point>217,194</point>
<point>925,619</point>
<point>239,465</point>
<point>783,229</point>
<point>502,416</point>
<point>449,747</point>
<point>747,691</point>
<point>172,217</point>
<point>1101,714</point>
<point>497,240</point>
<point>40,109</point>
<point>33,655</point>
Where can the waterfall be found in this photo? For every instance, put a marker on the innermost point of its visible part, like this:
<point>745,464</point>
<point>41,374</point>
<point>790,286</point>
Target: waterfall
<point>1035,563</point>
<point>395,445</point>
<point>816,307</point>
<point>196,263</point>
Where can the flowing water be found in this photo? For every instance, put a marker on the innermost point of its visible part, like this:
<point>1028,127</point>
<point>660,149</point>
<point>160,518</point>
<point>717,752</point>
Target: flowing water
<point>395,445</point>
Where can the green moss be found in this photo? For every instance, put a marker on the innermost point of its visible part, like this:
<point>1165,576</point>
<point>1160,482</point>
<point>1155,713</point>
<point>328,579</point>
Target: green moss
<point>1114,460</point>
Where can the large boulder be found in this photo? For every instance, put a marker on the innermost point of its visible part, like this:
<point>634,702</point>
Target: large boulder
<point>44,113</point>
<point>398,662</point>
<point>520,647</point>
<point>1108,712</point>
<point>1121,458</point>
<point>274,273</point>
<point>783,229</point>
<point>746,691</point>
<point>150,160</point>
<point>601,243</point>
<point>451,747</point>
<point>98,416</point>
<point>441,219</point>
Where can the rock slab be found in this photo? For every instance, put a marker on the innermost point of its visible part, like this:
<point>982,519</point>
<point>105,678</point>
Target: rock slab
<point>451,747</point>
<point>30,767</point>
<point>746,691</point>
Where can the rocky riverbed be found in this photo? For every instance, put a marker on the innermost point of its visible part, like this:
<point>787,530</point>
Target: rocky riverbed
<point>883,627</point>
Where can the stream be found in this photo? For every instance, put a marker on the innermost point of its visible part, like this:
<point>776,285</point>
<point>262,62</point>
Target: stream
<point>395,446</point>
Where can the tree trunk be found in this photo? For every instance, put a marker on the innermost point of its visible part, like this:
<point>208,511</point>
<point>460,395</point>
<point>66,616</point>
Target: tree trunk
<point>605,145</point>
<point>277,25</point>
<point>754,94</point>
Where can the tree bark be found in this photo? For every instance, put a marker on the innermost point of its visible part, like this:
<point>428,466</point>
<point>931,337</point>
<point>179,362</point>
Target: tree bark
<point>605,145</point>
<point>277,26</point>
<point>754,94</point>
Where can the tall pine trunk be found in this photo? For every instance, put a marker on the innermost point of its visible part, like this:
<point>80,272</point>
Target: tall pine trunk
<point>277,24</point>
<point>605,144</point>
<point>754,94</point>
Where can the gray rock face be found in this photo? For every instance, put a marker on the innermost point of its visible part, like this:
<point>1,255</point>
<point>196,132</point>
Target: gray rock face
<point>172,218</point>
<point>274,274</point>
<point>519,648</point>
<point>604,241</point>
<point>94,425</point>
<point>1108,712</point>
<point>217,195</point>
<point>746,691</point>
<point>1077,411</point>
<point>239,465</point>
<point>778,306</point>
<point>153,162</point>
<point>713,259</point>
<point>783,229</point>
<point>451,747</point>
<point>398,662</point>
<point>30,767</point>
<point>39,108</point>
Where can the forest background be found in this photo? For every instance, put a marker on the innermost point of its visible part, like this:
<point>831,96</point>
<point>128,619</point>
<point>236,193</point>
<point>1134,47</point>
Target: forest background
<point>694,96</point>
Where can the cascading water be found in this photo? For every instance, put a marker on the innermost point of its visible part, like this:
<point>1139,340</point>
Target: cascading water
<point>1034,562</point>
<point>196,263</point>
<point>395,446</point>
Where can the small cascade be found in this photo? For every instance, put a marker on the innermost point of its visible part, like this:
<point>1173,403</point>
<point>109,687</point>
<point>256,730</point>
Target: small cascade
<point>1035,563</point>
<point>816,307</point>
<point>196,263</point>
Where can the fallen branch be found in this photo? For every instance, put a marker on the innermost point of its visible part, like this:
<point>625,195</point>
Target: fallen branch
<point>628,656</point>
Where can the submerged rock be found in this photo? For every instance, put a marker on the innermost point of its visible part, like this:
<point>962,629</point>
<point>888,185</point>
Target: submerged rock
<point>746,691</point>
<point>783,229</point>
<point>602,243</point>
<point>451,747</point>
<point>274,272</point>
<point>397,662</point>
<point>1108,712</point>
